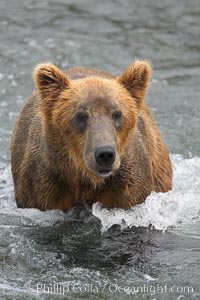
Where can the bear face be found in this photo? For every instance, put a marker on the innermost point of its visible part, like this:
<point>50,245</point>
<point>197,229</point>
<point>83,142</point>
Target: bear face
<point>94,118</point>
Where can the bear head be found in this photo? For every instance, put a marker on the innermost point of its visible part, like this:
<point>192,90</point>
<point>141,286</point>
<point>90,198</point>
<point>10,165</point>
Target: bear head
<point>94,117</point>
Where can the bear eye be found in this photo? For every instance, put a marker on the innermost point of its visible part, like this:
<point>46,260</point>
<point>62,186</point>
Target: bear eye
<point>81,117</point>
<point>117,115</point>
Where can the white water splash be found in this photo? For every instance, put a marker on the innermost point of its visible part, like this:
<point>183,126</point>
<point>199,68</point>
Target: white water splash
<point>161,210</point>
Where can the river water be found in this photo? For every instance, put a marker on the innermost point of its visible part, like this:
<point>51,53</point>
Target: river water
<point>151,251</point>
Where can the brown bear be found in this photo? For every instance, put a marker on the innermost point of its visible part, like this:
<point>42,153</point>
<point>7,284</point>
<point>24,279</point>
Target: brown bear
<point>86,136</point>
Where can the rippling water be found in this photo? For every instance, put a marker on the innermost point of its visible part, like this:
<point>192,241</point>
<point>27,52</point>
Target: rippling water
<point>104,254</point>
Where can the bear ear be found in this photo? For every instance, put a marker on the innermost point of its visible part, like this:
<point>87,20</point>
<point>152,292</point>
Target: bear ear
<point>136,79</point>
<point>49,80</point>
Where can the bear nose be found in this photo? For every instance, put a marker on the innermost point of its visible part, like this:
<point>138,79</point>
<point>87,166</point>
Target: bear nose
<point>105,155</point>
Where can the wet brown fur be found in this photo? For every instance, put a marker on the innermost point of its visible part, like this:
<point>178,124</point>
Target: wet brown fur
<point>47,154</point>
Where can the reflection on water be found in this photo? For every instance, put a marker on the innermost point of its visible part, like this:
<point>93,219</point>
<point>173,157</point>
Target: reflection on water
<point>47,248</point>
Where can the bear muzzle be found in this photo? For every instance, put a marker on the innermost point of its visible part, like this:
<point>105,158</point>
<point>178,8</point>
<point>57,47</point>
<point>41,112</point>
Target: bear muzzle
<point>104,158</point>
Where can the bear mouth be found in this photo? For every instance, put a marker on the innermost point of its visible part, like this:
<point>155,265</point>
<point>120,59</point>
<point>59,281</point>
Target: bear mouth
<point>104,173</point>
